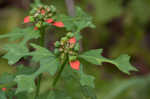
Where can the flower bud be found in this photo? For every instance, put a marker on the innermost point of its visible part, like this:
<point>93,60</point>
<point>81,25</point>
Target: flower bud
<point>62,56</point>
<point>72,58</point>
<point>38,25</point>
<point>77,47</point>
<point>70,35</point>
<point>64,39</point>
<point>57,44</point>
<point>60,49</point>
<point>56,51</point>
<point>31,19</point>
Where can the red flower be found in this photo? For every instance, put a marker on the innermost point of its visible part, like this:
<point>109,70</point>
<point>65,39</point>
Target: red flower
<point>75,65</point>
<point>3,89</point>
<point>58,24</point>
<point>42,12</point>
<point>27,19</point>
<point>49,20</point>
<point>35,28</point>
<point>72,40</point>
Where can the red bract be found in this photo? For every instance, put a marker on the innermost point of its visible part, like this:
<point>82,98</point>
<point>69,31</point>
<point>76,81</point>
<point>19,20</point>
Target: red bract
<point>42,12</point>
<point>75,65</point>
<point>58,24</point>
<point>72,40</point>
<point>49,20</point>
<point>3,89</point>
<point>27,19</point>
<point>35,28</point>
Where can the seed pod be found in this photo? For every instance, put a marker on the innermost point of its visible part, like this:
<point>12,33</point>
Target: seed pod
<point>57,44</point>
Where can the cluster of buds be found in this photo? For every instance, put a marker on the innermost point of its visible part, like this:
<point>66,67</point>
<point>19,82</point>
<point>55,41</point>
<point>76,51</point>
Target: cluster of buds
<point>68,46</point>
<point>43,15</point>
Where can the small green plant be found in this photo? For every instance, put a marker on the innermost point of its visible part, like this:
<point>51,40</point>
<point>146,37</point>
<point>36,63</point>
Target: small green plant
<point>63,63</point>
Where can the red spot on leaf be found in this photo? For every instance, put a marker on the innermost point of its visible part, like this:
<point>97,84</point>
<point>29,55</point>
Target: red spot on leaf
<point>58,24</point>
<point>75,65</point>
<point>72,40</point>
<point>49,20</point>
<point>27,19</point>
<point>3,89</point>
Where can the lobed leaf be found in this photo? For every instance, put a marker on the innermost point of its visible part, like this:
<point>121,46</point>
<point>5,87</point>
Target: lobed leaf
<point>77,23</point>
<point>18,33</point>
<point>86,80</point>
<point>15,52</point>
<point>122,62</point>
<point>25,83</point>
<point>48,62</point>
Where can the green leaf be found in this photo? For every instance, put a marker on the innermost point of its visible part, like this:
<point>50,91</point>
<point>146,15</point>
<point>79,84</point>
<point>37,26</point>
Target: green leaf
<point>94,56</point>
<point>40,53</point>
<point>86,80</point>
<point>21,69</point>
<point>122,62</point>
<point>88,92</point>
<point>48,62</point>
<point>2,95</point>
<point>25,83</point>
<point>77,23</point>
<point>58,95</point>
<point>18,33</point>
<point>15,52</point>
<point>6,78</point>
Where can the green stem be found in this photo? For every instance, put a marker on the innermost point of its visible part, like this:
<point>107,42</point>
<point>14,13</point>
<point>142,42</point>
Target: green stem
<point>40,76</point>
<point>60,71</point>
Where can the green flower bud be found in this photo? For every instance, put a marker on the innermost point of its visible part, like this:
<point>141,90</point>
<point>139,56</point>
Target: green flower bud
<point>60,49</point>
<point>31,19</point>
<point>64,39</point>
<point>56,51</point>
<point>72,53</point>
<point>62,56</point>
<point>77,47</point>
<point>53,9</point>
<point>57,44</point>
<point>32,12</point>
<point>45,24</point>
<point>72,58</point>
<point>38,25</point>
<point>70,35</point>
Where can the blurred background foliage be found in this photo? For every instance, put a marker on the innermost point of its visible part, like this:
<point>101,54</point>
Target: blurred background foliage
<point>122,26</point>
